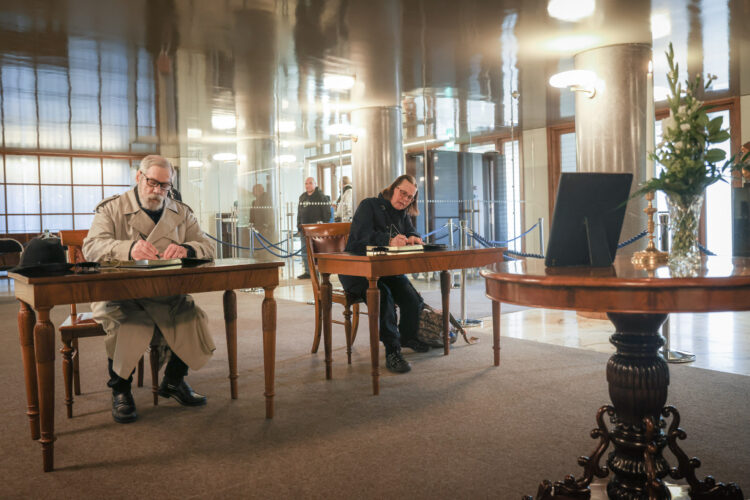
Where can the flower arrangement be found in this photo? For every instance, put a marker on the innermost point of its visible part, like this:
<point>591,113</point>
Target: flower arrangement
<point>690,163</point>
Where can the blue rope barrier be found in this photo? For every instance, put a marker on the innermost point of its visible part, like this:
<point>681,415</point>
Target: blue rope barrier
<point>262,238</point>
<point>500,243</point>
<point>286,256</point>
<point>633,239</point>
<point>524,254</point>
<point>262,246</point>
<point>425,236</point>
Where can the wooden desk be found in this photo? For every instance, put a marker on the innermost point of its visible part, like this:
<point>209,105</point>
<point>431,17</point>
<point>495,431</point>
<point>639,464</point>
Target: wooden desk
<point>373,267</point>
<point>637,303</point>
<point>37,334</point>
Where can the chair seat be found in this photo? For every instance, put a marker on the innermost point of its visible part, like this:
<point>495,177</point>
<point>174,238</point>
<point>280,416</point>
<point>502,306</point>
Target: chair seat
<point>81,325</point>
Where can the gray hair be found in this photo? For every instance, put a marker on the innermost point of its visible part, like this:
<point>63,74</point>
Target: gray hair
<point>155,161</point>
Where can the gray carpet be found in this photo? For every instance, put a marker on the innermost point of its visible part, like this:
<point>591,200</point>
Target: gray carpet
<point>455,427</point>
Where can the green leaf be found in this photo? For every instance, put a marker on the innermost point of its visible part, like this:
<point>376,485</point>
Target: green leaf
<point>714,155</point>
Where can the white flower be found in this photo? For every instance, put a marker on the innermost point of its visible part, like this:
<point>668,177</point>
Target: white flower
<point>668,123</point>
<point>685,127</point>
<point>681,110</point>
<point>677,146</point>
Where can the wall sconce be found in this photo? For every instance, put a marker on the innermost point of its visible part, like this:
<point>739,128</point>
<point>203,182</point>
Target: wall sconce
<point>577,80</point>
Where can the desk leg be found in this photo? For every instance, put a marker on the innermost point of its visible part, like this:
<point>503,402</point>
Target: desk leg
<point>269,346</point>
<point>373,315</point>
<point>230,325</point>
<point>26,320</point>
<point>445,292</point>
<point>496,331</point>
<point>326,291</point>
<point>44,349</point>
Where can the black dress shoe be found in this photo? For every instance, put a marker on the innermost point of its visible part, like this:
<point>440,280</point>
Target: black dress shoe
<point>182,392</point>
<point>416,345</point>
<point>396,363</point>
<point>123,408</point>
<point>304,276</point>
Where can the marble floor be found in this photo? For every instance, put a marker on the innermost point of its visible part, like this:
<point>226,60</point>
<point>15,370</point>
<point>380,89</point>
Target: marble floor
<point>720,341</point>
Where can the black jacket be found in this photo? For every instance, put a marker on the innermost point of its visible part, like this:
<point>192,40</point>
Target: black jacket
<point>375,222</point>
<point>312,208</point>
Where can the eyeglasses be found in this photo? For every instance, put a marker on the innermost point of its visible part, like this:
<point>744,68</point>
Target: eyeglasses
<point>405,195</point>
<point>153,183</point>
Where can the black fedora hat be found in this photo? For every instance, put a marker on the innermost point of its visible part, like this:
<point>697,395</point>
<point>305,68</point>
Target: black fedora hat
<point>43,257</point>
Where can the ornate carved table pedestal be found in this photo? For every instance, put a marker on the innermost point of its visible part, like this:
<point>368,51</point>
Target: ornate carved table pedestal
<point>637,303</point>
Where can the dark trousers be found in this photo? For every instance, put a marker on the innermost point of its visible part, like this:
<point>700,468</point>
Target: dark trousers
<point>394,290</point>
<point>175,371</point>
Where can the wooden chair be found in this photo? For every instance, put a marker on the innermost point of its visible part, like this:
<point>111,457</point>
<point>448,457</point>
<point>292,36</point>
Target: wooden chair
<point>82,325</point>
<point>10,253</point>
<point>324,238</point>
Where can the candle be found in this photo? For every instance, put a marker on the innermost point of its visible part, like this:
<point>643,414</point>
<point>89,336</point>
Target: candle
<point>650,132</point>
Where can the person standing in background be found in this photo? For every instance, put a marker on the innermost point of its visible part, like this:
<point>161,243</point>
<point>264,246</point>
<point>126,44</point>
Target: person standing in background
<point>344,202</point>
<point>314,207</point>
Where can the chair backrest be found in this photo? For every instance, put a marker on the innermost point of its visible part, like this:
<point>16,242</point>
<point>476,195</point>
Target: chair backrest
<point>323,238</point>
<point>10,253</point>
<point>73,239</point>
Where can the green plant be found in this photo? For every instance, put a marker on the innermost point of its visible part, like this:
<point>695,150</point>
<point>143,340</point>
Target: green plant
<point>690,163</point>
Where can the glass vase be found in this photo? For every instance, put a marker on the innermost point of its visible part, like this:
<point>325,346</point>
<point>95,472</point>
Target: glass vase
<point>684,218</point>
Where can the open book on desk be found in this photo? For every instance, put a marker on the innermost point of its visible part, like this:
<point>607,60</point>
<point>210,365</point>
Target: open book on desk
<point>151,264</point>
<point>389,250</point>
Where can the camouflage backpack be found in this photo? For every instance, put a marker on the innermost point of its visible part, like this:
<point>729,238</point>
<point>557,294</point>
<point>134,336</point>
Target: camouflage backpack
<point>430,329</point>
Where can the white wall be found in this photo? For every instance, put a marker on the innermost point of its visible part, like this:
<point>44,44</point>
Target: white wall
<point>536,185</point>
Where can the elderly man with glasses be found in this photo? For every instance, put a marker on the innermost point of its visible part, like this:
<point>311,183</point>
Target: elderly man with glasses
<point>385,220</point>
<point>145,223</point>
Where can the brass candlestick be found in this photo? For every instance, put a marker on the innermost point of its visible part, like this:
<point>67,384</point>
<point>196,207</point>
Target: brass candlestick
<point>650,258</point>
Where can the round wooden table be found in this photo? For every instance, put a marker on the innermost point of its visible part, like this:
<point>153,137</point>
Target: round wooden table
<point>637,302</point>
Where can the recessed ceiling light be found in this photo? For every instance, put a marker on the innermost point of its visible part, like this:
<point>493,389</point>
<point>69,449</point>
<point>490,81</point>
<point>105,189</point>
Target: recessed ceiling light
<point>571,10</point>
<point>224,157</point>
<point>338,82</point>
<point>221,121</point>
<point>195,163</point>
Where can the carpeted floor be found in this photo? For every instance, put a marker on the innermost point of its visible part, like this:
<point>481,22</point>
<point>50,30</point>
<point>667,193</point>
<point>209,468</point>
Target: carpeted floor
<point>455,427</point>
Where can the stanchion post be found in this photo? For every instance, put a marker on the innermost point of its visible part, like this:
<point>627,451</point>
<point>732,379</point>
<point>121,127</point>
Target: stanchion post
<point>450,232</point>
<point>233,226</point>
<point>252,241</point>
<point>465,322</point>
<point>540,223</point>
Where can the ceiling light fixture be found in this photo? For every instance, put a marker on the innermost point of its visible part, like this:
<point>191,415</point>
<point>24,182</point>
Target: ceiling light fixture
<point>224,157</point>
<point>221,121</point>
<point>571,10</point>
<point>195,163</point>
<point>577,80</point>
<point>338,82</point>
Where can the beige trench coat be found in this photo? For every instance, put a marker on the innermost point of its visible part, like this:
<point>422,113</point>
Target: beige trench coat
<point>118,223</point>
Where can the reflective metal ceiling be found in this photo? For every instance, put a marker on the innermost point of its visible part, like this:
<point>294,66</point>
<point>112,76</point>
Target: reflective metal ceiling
<point>258,68</point>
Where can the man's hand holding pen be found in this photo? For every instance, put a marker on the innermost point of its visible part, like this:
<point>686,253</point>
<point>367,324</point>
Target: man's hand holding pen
<point>143,250</point>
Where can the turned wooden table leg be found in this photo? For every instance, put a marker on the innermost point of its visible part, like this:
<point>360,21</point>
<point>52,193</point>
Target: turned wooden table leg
<point>373,315</point>
<point>44,349</point>
<point>26,320</point>
<point>326,291</point>
<point>230,325</point>
<point>269,347</point>
<point>496,331</point>
<point>445,292</point>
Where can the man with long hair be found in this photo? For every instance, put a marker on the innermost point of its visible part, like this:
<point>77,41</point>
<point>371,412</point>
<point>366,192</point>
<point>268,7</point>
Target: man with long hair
<point>385,220</point>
